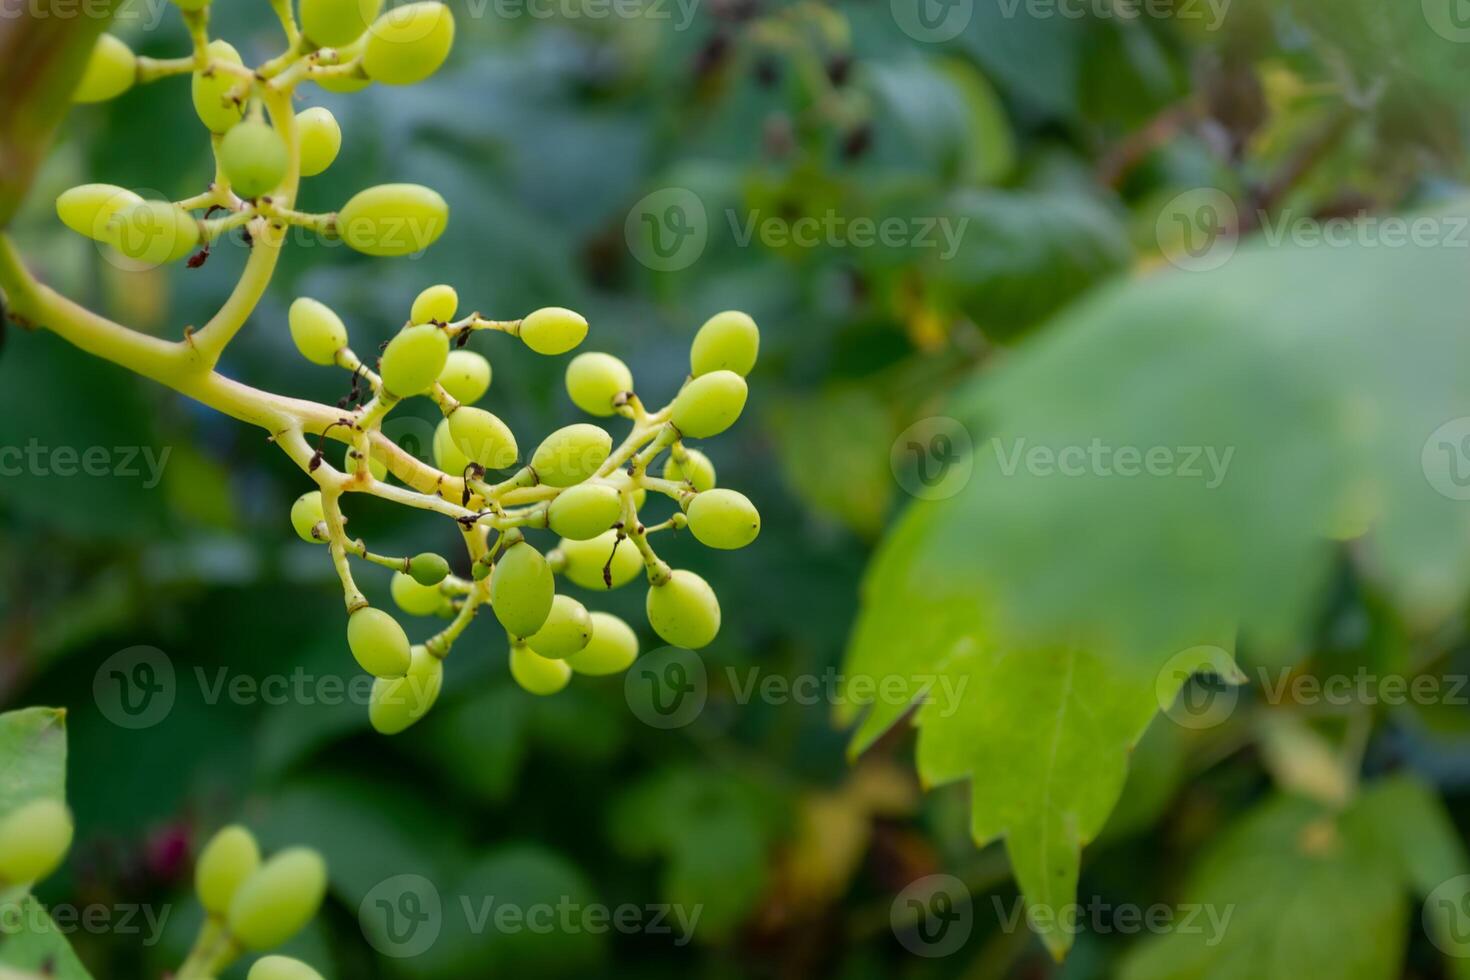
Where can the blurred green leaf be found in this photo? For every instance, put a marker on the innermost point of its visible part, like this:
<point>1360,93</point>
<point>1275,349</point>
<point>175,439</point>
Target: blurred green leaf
<point>32,756</point>
<point>834,452</point>
<point>30,942</point>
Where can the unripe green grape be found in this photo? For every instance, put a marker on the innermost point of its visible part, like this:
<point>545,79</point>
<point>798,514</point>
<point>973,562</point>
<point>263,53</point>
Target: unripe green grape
<point>154,232</point>
<point>412,597</point>
<point>408,44</point>
<point>320,139</point>
<point>728,341</point>
<point>466,376</point>
<point>595,379</point>
<point>522,589</point>
<point>447,455</point>
<point>88,209</point>
<point>254,158</point>
<point>281,968</point>
<point>553,330</point>
<point>414,359</point>
<point>230,857</point>
<point>586,559</point>
<point>278,899</point>
<point>584,511</point>
<point>684,610</point>
<point>396,703</point>
<point>612,649</point>
<point>567,629</point>
<point>345,85</point>
<point>571,454</point>
<point>333,23</point>
<point>209,91</point>
<point>696,470</point>
<point>537,674</point>
<point>34,837</point>
<point>724,519</point>
<point>435,303</point>
<point>428,568</point>
<point>306,514</point>
<point>483,438</point>
<point>317,331</point>
<point>376,466</point>
<point>709,404</point>
<point>393,219</point>
<point>377,642</point>
<point>111,70</point>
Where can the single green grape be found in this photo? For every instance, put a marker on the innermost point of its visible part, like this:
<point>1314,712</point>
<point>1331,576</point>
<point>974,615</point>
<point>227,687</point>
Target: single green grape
<point>230,857</point>
<point>585,561</point>
<point>111,70</point>
<point>88,209</point>
<point>571,454</point>
<point>567,629</point>
<point>437,303</point>
<point>209,89</point>
<point>376,466</point>
<point>724,519</point>
<point>584,511</point>
<point>281,968</point>
<point>278,899</point>
<point>684,610</point>
<point>306,514</point>
<point>396,703</point>
<point>153,232</point>
<point>333,23</point>
<point>408,44</point>
<point>414,360</point>
<point>709,404</point>
<point>612,649</point>
<point>428,568</point>
<point>345,85</point>
<point>595,379</point>
<point>447,455</point>
<point>696,470</point>
<point>483,438</point>
<point>412,597</point>
<point>728,341</point>
<point>377,642</point>
<point>317,331</point>
<point>254,158</point>
<point>320,139</point>
<point>537,674</point>
<point>393,219</point>
<point>34,837</point>
<point>553,330</point>
<point>521,589</point>
<point>466,376</point>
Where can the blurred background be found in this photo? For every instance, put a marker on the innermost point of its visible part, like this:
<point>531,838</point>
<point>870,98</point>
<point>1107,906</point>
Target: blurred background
<point>650,164</point>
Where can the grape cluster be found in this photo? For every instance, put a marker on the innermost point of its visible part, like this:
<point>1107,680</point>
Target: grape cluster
<point>262,146</point>
<point>576,484</point>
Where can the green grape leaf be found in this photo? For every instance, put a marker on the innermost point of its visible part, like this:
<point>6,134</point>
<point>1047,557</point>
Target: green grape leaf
<point>949,114</point>
<point>33,750</point>
<point>31,943</point>
<point>1306,894</point>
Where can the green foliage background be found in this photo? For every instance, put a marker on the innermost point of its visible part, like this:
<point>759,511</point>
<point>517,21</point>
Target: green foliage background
<point>1061,140</point>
